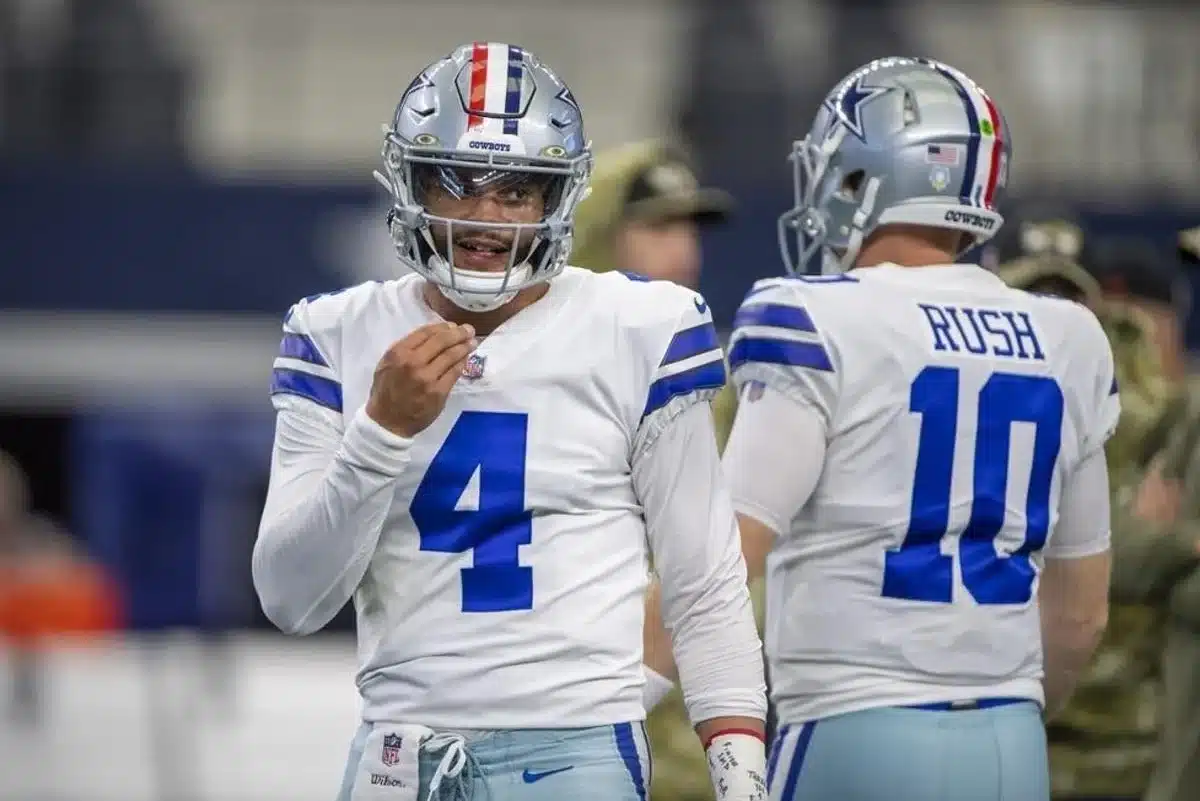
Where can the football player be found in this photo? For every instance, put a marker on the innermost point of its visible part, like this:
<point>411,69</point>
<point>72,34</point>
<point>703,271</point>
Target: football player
<point>917,461</point>
<point>484,453</point>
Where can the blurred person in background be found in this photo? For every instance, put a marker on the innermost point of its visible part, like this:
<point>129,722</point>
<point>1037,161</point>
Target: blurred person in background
<point>48,588</point>
<point>1047,258</point>
<point>1167,577</point>
<point>644,215</point>
<point>541,424</point>
<point>1051,256</point>
<point>1134,275</point>
<point>894,627</point>
<point>1102,744</point>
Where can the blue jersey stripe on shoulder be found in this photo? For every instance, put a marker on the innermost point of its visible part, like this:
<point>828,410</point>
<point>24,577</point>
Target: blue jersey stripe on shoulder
<point>780,351</point>
<point>634,276</point>
<point>301,346</point>
<point>710,375</point>
<point>691,342</point>
<point>329,294</point>
<point>775,315</point>
<point>835,278</point>
<point>757,290</point>
<point>321,391</point>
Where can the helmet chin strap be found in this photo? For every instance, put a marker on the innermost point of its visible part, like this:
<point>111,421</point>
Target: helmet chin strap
<point>469,289</point>
<point>854,243</point>
<point>474,303</point>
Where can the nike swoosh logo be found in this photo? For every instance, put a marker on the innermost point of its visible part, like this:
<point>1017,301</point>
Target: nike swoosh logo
<point>701,305</point>
<point>529,777</point>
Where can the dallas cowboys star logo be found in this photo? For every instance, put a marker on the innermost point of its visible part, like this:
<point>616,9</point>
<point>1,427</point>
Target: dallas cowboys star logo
<point>565,95</point>
<point>422,81</point>
<point>847,104</point>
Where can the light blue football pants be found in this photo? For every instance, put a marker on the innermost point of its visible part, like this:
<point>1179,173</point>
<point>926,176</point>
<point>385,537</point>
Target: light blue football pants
<point>995,753</point>
<point>603,763</point>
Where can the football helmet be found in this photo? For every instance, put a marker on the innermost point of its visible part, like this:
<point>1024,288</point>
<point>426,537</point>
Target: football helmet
<point>488,116</point>
<point>900,140</point>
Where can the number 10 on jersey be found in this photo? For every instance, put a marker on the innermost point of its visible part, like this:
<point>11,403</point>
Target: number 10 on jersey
<point>918,570</point>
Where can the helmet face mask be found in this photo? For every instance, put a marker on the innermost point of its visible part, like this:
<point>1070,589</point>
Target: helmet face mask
<point>898,141</point>
<point>460,142</point>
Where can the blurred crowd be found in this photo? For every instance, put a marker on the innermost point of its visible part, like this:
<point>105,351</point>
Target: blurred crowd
<point>91,79</point>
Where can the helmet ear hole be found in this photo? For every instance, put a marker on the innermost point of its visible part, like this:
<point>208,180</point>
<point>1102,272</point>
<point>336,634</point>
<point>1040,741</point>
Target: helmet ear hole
<point>911,115</point>
<point>852,185</point>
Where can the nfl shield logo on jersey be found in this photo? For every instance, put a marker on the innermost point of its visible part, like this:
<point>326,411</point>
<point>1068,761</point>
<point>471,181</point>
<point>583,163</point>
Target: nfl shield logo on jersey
<point>473,369</point>
<point>391,749</point>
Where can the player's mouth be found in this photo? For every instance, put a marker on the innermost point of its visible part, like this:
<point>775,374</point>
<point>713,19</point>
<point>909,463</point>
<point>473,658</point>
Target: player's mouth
<point>482,252</point>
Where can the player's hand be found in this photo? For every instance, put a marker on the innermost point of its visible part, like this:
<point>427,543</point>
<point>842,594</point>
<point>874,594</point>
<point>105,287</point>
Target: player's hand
<point>415,376</point>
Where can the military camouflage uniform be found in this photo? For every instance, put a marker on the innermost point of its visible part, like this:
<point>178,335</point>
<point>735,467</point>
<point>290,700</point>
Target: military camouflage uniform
<point>1160,570</point>
<point>1102,745</point>
<point>1169,577</point>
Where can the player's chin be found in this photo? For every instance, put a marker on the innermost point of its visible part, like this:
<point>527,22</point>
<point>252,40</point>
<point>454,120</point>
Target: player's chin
<point>482,261</point>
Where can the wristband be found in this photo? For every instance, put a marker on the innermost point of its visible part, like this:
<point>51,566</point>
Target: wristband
<point>737,763</point>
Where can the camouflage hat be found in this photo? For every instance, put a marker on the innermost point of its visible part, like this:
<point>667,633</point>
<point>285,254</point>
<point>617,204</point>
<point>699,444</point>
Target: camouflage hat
<point>1036,235</point>
<point>1053,274</point>
<point>1052,237</point>
<point>647,181</point>
<point>666,188</point>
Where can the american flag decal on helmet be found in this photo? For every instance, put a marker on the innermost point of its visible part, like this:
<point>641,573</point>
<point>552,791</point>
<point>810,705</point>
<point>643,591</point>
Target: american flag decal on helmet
<point>983,169</point>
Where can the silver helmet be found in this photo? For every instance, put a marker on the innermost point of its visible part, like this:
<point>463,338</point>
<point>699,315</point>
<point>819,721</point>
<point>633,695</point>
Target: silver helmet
<point>900,140</point>
<point>488,116</point>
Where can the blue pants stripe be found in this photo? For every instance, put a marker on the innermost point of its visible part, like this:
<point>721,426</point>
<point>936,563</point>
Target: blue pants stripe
<point>773,756</point>
<point>627,748</point>
<point>797,764</point>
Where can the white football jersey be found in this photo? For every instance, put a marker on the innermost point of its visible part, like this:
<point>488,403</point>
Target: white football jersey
<point>954,406</point>
<point>507,587</point>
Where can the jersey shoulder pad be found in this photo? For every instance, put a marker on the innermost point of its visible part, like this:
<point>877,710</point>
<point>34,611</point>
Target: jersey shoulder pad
<point>672,350</point>
<point>683,349</point>
<point>326,312</point>
<point>307,364</point>
<point>775,326</point>
<point>778,341</point>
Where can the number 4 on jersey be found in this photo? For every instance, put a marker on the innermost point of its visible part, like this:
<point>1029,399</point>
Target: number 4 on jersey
<point>492,445</point>
<point>918,570</point>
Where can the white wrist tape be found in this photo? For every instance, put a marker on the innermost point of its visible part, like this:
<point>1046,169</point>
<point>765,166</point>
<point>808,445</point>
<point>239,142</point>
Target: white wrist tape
<point>657,688</point>
<point>737,763</point>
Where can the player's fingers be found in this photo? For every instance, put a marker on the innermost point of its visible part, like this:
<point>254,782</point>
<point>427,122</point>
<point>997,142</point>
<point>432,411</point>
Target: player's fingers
<point>448,379</point>
<point>451,359</point>
<point>418,336</point>
<point>447,337</point>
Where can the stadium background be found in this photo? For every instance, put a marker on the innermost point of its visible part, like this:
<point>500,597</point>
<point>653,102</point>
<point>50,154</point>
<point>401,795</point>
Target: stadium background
<point>175,173</point>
